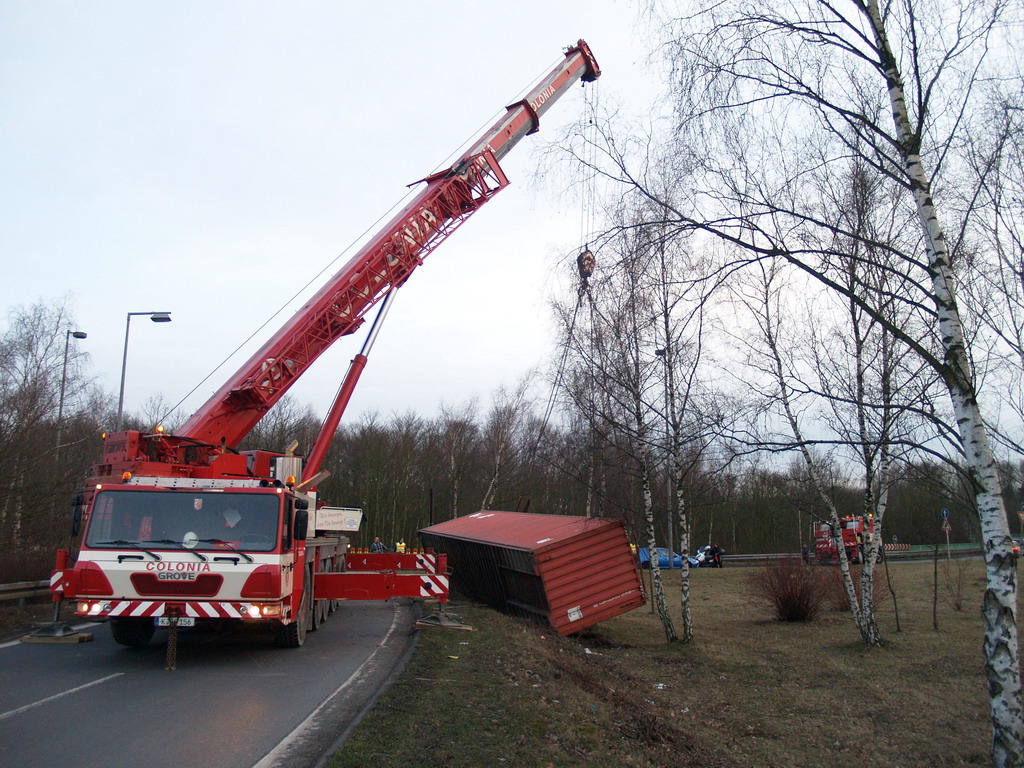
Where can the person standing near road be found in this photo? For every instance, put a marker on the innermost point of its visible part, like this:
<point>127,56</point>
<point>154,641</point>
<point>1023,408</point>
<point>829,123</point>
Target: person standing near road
<point>378,546</point>
<point>400,547</point>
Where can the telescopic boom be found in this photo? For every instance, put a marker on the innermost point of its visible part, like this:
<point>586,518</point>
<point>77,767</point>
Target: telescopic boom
<point>338,309</point>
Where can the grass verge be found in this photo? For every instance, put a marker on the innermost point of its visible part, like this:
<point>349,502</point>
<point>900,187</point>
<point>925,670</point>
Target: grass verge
<point>749,691</point>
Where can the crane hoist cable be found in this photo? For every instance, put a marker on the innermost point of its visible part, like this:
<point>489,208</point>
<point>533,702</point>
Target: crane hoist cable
<point>586,262</point>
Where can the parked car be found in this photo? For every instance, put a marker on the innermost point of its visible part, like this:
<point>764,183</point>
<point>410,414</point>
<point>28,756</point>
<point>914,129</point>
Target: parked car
<point>663,558</point>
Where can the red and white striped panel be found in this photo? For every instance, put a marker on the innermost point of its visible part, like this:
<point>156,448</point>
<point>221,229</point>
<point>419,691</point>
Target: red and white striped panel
<point>150,608</point>
<point>214,610</point>
<point>426,563</point>
<point>57,581</point>
<point>433,586</point>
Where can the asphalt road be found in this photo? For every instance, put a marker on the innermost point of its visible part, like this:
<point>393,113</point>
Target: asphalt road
<point>234,701</point>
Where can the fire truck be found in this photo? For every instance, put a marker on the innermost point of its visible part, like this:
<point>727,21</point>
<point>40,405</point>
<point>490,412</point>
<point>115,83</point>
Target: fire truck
<point>856,532</point>
<point>183,529</point>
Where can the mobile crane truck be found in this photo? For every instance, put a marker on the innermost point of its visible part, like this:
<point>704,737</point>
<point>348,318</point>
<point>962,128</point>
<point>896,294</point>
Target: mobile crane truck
<point>183,529</point>
<point>855,531</point>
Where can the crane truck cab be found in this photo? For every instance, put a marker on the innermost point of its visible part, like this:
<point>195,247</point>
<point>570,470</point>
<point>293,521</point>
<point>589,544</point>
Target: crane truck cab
<point>204,550</point>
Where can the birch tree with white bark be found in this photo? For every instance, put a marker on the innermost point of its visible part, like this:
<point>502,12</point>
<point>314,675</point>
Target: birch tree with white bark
<point>613,380</point>
<point>772,98</point>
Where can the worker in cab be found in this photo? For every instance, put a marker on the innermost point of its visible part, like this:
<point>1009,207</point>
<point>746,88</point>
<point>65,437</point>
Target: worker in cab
<point>400,547</point>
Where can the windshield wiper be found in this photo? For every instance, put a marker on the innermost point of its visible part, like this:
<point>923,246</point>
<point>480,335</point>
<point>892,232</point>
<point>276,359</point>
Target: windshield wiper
<point>200,555</point>
<point>222,543</point>
<point>125,543</point>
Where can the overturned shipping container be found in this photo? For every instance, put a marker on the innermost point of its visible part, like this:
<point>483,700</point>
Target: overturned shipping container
<point>570,571</point>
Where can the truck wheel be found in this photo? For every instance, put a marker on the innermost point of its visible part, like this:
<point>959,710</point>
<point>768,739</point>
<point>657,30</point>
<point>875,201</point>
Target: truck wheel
<point>135,633</point>
<point>294,635</point>
<point>314,617</point>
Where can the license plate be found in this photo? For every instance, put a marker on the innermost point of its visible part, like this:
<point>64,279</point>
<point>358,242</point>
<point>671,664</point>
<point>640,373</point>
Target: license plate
<point>184,621</point>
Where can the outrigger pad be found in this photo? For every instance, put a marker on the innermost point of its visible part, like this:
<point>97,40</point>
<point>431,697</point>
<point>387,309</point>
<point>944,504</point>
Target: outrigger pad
<point>56,632</point>
<point>442,620</point>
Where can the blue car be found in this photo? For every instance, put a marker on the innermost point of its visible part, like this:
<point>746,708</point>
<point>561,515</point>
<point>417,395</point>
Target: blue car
<point>663,558</point>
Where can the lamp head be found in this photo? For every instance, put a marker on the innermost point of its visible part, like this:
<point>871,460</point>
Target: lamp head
<point>160,317</point>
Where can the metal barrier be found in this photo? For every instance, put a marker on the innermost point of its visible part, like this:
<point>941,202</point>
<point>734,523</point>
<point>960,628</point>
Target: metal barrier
<point>21,590</point>
<point>914,552</point>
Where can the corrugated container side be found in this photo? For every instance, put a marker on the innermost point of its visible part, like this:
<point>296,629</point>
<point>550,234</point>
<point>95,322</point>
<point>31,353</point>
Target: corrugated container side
<point>576,572</point>
<point>589,579</point>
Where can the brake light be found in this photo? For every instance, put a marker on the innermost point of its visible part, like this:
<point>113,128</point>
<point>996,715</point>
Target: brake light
<point>263,582</point>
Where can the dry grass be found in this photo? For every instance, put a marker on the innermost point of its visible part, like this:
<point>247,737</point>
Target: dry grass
<point>750,691</point>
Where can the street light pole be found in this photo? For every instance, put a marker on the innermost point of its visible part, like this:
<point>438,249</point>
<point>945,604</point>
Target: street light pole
<point>156,317</point>
<point>63,382</point>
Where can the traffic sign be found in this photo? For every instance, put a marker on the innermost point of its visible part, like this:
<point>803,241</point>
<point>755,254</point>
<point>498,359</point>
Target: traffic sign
<point>945,514</point>
<point>946,526</point>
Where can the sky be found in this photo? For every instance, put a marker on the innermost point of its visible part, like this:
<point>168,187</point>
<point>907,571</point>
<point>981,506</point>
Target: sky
<point>209,159</point>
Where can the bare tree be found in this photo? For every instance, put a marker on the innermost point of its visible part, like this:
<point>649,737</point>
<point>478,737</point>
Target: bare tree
<point>769,100</point>
<point>502,435</point>
<point>45,434</point>
<point>614,380</point>
<point>457,436</point>
<point>993,213</point>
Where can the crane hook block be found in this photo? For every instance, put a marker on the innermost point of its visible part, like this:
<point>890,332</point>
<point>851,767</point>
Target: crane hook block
<point>585,263</point>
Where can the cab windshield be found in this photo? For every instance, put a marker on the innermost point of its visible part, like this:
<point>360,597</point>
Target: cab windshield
<point>194,520</point>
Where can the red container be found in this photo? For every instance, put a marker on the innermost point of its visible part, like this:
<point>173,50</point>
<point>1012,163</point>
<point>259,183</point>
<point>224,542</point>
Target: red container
<point>572,572</point>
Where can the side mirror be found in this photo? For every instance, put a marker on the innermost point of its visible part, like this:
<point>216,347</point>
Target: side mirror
<point>76,513</point>
<point>301,524</point>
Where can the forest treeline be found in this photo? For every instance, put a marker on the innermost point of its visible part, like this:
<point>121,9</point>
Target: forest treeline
<point>407,470</point>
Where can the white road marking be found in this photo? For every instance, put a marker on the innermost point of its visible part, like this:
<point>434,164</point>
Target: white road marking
<point>274,756</point>
<point>39,703</point>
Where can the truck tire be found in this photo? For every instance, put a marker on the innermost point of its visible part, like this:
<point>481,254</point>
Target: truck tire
<point>314,617</point>
<point>135,633</point>
<point>294,635</point>
<point>319,607</point>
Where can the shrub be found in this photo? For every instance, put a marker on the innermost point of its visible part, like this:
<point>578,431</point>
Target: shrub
<point>795,591</point>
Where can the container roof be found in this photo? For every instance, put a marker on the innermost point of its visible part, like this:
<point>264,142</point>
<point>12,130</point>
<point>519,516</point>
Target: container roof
<point>522,530</point>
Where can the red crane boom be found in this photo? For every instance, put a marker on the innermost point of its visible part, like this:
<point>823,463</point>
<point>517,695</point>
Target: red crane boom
<point>449,198</point>
<point>184,529</point>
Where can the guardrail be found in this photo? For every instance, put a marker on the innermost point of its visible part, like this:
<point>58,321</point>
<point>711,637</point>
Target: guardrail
<point>914,552</point>
<point>22,590</point>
